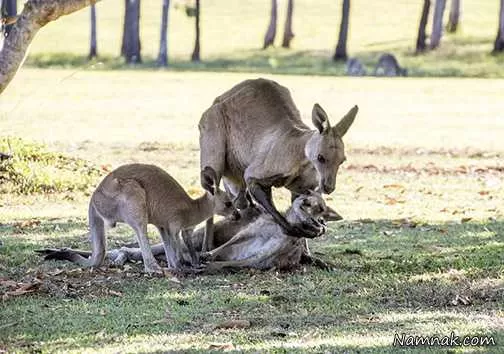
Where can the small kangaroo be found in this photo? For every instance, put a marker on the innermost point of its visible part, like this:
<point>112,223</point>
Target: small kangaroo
<point>389,66</point>
<point>354,67</point>
<point>139,194</point>
<point>254,138</point>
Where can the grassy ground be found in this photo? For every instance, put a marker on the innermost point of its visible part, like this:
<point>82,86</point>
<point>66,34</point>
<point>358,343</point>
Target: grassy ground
<point>232,35</point>
<point>421,250</point>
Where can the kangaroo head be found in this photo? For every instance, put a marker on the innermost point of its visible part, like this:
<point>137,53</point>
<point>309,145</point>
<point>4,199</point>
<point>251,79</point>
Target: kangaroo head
<point>223,204</point>
<point>325,149</point>
<point>308,209</point>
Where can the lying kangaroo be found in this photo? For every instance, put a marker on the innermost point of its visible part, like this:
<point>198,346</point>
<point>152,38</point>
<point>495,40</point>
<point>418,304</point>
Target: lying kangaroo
<point>254,137</point>
<point>389,66</point>
<point>138,195</point>
<point>264,244</point>
<point>354,67</point>
<point>254,240</point>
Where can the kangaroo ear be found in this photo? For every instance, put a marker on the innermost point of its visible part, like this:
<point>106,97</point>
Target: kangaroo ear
<point>209,179</point>
<point>342,127</point>
<point>331,215</point>
<point>320,119</point>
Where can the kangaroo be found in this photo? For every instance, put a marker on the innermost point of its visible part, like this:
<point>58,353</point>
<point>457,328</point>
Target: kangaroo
<point>389,66</point>
<point>138,195</point>
<point>354,67</point>
<point>254,137</point>
<point>264,244</point>
<point>254,240</point>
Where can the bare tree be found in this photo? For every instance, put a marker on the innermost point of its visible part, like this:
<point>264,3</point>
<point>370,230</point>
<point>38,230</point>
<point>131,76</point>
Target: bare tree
<point>131,48</point>
<point>93,51</point>
<point>288,34</point>
<point>8,11</point>
<point>35,15</point>
<point>162,59</point>
<point>454,17</point>
<point>437,23</point>
<point>499,41</point>
<point>420,43</point>
<point>341,47</point>
<point>196,52</point>
<point>270,35</point>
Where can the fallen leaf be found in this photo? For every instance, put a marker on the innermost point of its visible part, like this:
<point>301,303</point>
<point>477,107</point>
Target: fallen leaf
<point>357,190</point>
<point>463,220</point>
<point>233,324</point>
<point>483,192</point>
<point>115,293</point>
<point>394,185</point>
<point>221,346</point>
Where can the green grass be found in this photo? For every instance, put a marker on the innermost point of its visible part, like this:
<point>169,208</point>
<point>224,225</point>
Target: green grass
<point>421,250</point>
<point>232,35</point>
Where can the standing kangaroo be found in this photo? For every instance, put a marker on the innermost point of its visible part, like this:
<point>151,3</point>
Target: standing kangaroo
<point>254,137</point>
<point>138,195</point>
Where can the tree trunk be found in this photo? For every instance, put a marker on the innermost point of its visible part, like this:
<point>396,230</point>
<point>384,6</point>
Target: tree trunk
<point>420,43</point>
<point>269,37</point>
<point>131,47</point>
<point>35,15</point>
<point>341,47</point>
<point>162,59</point>
<point>499,41</point>
<point>453,19</point>
<point>437,23</point>
<point>288,34</point>
<point>10,7</point>
<point>196,52</point>
<point>93,51</point>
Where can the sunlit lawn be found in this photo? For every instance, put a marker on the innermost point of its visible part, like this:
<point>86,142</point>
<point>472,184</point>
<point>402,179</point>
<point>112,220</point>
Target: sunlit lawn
<point>421,250</point>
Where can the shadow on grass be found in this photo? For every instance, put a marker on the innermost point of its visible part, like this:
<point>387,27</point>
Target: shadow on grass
<point>457,58</point>
<point>390,277</point>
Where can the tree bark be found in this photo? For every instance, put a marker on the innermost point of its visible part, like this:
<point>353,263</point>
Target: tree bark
<point>35,15</point>
<point>196,52</point>
<point>270,35</point>
<point>454,17</point>
<point>288,34</point>
<point>437,23</point>
<point>420,43</point>
<point>341,47</point>
<point>93,51</point>
<point>131,48</point>
<point>162,59</point>
<point>499,41</point>
<point>10,7</point>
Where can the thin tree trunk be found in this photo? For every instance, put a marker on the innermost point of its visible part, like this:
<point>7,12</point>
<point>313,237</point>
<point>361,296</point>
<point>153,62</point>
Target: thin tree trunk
<point>93,51</point>
<point>288,34</point>
<point>437,23</point>
<point>420,43</point>
<point>454,17</point>
<point>499,41</point>
<point>270,35</point>
<point>341,47</point>
<point>162,59</point>
<point>10,12</point>
<point>131,48</point>
<point>35,15</point>
<point>196,52</point>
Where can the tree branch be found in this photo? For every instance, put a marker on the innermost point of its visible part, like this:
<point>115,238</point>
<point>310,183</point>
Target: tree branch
<point>35,15</point>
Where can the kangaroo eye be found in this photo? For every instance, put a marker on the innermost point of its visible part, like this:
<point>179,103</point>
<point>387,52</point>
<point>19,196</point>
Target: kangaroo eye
<point>321,158</point>
<point>228,204</point>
